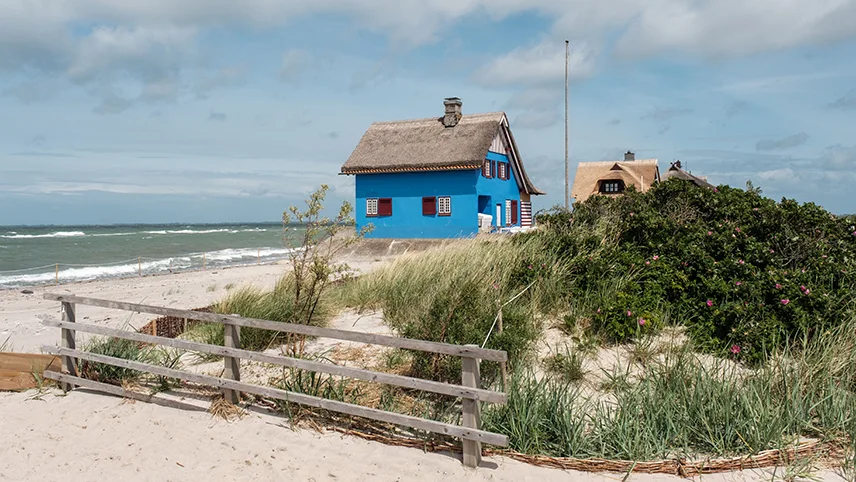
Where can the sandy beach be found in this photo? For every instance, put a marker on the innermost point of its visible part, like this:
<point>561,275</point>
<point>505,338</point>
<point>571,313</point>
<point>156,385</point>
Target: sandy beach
<point>86,435</point>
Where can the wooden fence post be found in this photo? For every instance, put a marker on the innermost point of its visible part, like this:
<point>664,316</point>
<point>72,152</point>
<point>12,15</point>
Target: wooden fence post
<point>470,377</point>
<point>502,365</point>
<point>232,364</point>
<point>69,364</point>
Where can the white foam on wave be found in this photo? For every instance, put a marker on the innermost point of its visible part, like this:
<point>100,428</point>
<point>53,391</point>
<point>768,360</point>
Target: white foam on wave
<point>223,257</point>
<point>97,272</point>
<point>246,253</point>
<point>58,234</point>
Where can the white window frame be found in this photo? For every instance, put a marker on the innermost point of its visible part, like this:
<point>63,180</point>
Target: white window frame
<point>371,206</point>
<point>508,212</point>
<point>444,205</point>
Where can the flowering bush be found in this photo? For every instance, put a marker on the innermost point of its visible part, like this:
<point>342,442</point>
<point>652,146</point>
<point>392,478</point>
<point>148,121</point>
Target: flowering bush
<point>738,269</point>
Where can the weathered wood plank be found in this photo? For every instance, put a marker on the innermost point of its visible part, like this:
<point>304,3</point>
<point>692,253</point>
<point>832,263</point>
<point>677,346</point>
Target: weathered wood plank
<point>384,340</point>
<point>357,373</point>
<point>471,412</point>
<point>121,392</point>
<point>69,364</point>
<point>19,371</point>
<point>232,364</point>
<point>332,405</point>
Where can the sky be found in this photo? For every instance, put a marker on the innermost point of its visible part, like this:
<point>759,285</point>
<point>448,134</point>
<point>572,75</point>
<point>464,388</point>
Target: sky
<point>155,111</point>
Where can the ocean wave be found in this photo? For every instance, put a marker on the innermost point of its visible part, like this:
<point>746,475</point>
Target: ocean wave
<point>245,253</point>
<point>214,259</point>
<point>58,234</point>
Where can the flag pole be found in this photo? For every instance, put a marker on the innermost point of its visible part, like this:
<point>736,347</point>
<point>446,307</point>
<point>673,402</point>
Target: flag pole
<point>567,59</point>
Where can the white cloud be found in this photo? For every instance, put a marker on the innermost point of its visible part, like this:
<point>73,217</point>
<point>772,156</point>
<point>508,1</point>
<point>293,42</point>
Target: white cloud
<point>543,64</point>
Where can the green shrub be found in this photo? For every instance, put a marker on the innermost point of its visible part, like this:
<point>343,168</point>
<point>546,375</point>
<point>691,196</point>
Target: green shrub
<point>743,272</point>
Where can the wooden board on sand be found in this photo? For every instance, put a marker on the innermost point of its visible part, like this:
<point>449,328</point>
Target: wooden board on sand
<point>17,369</point>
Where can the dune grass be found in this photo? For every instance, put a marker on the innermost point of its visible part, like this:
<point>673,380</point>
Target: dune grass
<point>687,406</point>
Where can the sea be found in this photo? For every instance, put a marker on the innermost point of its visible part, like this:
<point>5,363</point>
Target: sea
<point>42,255</point>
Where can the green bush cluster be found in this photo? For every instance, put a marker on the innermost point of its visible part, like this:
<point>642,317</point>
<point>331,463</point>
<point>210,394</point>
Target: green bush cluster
<point>744,273</point>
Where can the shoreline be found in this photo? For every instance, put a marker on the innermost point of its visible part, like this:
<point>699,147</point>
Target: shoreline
<point>136,276</point>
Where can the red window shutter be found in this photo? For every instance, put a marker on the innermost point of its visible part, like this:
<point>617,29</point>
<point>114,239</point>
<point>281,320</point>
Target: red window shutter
<point>384,207</point>
<point>513,212</point>
<point>429,205</point>
<point>493,167</point>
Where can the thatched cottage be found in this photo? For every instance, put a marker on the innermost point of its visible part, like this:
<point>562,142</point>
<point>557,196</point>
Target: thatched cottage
<point>440,177</point>
<point>678,172</point>
<point>611,178</point>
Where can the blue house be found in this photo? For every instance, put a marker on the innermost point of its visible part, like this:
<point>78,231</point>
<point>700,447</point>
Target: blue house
<point>445,177</point>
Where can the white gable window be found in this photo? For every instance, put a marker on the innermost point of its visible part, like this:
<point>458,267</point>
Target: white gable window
<point>371,206</point>
<point>445,205</point>
<point>508,212</point>
<point>503,174</point>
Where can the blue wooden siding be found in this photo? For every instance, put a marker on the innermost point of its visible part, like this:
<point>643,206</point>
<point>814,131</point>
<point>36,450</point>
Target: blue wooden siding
<point>406,191</point>
<point>493,191</point>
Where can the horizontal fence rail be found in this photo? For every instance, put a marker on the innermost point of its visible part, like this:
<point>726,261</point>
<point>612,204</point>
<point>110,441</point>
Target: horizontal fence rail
<point>357,373</point>
<point>303,399</point>
<point>469,391</point>
<point>368,338</point>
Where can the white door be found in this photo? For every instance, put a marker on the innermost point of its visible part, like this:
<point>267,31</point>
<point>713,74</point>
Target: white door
<point>499,215</point>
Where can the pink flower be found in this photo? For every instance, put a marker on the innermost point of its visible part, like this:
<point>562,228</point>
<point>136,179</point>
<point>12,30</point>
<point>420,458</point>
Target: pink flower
<point>737,229</point>
<point>778,286</point>
<point>824,256</point>
<point>786,301</point>
<point>647,263</point>
<point>631,214</point>
<point>598,311</point>
<point>735,349</point>
<point>807,291</point>
<point>709,303</point>
<point>629,313</point>
<point>802,287</point>
<point>740,262</point>
<point>530,266</point>
<point>656,257</point>
<point>754,209</point>
<point>710,233</point>
<point>715,190</point>
<point>739,283</point>
<point>772,250</point>
<point>496,286</point>
<point>641,321</point>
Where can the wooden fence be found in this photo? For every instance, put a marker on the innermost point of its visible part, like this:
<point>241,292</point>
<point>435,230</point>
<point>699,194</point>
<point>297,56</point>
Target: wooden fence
<point>469,391</point>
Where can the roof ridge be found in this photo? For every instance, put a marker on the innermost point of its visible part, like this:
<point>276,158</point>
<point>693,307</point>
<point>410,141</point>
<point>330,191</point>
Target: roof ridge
<point>437,118</point>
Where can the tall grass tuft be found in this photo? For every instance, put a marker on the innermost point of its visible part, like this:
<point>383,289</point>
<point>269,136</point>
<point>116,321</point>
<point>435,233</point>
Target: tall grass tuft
<point>117,348</point>
<point>278,304</point>
<point>691,406</point>
<point>453,295</point>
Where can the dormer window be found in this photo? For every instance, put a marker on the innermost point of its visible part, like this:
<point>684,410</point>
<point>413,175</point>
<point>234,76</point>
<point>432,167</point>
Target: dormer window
<point>611,187</point>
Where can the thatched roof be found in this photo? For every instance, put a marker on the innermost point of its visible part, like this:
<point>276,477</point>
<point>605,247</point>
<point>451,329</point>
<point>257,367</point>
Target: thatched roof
<point>679,173</point>
<point>641,173</point>
<point>427,145</point>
